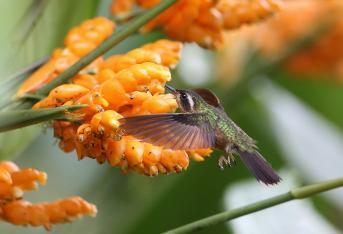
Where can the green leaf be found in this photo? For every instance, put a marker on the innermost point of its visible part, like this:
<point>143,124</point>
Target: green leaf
<point>10,120</point>
<point>8,87</point>
<point>30,18</point>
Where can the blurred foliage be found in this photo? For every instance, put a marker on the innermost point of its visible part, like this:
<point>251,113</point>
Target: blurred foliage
<point>48,32</point>
<point>324,95</point>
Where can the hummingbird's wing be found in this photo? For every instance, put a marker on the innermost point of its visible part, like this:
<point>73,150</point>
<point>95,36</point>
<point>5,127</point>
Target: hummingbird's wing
<point>177,131</point>
<point>209,97</point>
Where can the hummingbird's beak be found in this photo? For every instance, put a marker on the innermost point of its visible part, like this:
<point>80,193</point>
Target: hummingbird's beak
<point>171,89</point>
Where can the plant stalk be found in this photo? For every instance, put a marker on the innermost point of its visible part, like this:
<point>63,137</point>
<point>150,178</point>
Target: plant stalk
<point>10,120</point>
<point>294,194</point>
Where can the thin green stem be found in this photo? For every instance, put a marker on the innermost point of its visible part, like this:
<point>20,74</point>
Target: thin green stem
<point>123,18</point>
<point>115,39</point>
<point>10,120</point>
<point>298,193</point>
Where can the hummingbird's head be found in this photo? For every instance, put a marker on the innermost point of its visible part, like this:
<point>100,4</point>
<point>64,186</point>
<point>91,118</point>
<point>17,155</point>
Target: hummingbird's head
<point>187,100</point>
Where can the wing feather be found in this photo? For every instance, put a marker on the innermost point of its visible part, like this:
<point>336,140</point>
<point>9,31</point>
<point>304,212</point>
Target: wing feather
<point>178,131</point>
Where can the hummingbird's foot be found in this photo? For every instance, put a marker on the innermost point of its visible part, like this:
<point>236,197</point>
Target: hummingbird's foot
<point>228,160</point>
<point>222,161</point>
<point>231,159</point>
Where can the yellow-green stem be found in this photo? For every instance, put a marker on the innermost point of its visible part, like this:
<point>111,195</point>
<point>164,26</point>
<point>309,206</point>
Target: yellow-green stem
<point>10,120</point>
<point>298,193</point>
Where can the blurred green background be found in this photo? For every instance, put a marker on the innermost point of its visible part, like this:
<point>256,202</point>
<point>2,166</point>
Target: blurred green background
<point>297,122</point>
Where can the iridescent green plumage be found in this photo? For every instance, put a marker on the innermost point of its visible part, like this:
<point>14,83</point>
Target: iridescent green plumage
<point>202,124</point>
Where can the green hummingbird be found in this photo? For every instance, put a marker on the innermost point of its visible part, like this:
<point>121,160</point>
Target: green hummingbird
<point>202,123</point>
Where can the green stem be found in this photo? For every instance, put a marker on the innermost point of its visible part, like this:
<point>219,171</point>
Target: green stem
<point>124,17</point>
<point>10,120</point>
<point>298,193</point>
<point>115,39</point>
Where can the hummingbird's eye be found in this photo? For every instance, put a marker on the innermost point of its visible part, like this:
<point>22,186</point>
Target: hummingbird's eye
<point>183,96</point>
<point>185,101</point>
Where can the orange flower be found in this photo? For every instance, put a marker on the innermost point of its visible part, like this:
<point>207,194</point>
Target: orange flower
<point>78,42</point>
<point>127,84</point>
<point>203,21</point>
<point>45,214</point>
<point>297,20</point>
<point>14,181</point>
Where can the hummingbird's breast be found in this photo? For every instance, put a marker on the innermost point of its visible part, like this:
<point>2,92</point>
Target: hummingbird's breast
<point>221,133</point>
<point>221,141</point>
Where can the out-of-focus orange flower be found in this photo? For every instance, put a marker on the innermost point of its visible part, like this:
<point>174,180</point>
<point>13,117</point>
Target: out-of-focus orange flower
<point>203,21</point>
<point>13,209</point>
<point>325,55</point>
<point>124,85</point>
<point>78,42</point>
<point>297,20</point>
<point>122,7</point>
<point>14,181</point>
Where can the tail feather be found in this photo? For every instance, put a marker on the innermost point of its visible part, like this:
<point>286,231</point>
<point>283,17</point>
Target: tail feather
<point>259,167</point>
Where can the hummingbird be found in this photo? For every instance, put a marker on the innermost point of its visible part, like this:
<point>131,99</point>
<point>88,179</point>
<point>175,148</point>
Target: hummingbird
<point>202,123</point>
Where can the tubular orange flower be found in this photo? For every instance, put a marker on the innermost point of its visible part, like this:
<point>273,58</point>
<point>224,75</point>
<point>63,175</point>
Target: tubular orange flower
<point>235,13</point>
<point>13,209</point>
<point>15,181</point>
<point>45,214</point>
<point>297,20</point>
<point>325,55</point>
<point>203,21</point>
<point>163,52</point>
<point>122,6</point>
<point>79,41</point>
<point>145,158</point>
<point>122,85</point>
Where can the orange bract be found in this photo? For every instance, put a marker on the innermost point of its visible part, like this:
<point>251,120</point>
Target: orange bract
<point>123,85</point>
<point>47,213</point>
<point>13,209</point>
<point>203,21</point>
<point>14,181</point>
<point>78,42</point>
<point>296,21</point>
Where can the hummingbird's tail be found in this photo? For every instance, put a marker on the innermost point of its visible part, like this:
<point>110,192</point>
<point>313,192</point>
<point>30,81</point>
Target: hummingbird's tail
<point>259,167</point>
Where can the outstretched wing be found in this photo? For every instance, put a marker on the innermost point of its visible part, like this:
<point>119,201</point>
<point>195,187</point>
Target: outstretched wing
<point>178,131</point>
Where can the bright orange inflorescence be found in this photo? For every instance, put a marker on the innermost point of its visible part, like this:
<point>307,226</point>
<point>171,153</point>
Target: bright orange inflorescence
<point>325,55</point>
<point>296,21</point>
<point>78,42</point>
<point>202,21</point>
<point>13,209</point>
<point>123,85</point>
